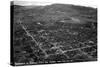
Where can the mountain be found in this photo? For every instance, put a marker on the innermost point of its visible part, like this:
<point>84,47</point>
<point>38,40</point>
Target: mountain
<point>57,12</point>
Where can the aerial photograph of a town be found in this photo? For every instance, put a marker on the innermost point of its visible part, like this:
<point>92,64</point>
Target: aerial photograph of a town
<point>53,33</point>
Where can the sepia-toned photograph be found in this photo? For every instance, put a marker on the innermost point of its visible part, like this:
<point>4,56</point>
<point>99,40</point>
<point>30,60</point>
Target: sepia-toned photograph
<point>52,33</point>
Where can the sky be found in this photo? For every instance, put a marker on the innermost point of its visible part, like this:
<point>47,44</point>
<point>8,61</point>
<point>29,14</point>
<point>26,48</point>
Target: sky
<point>90,3</point>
